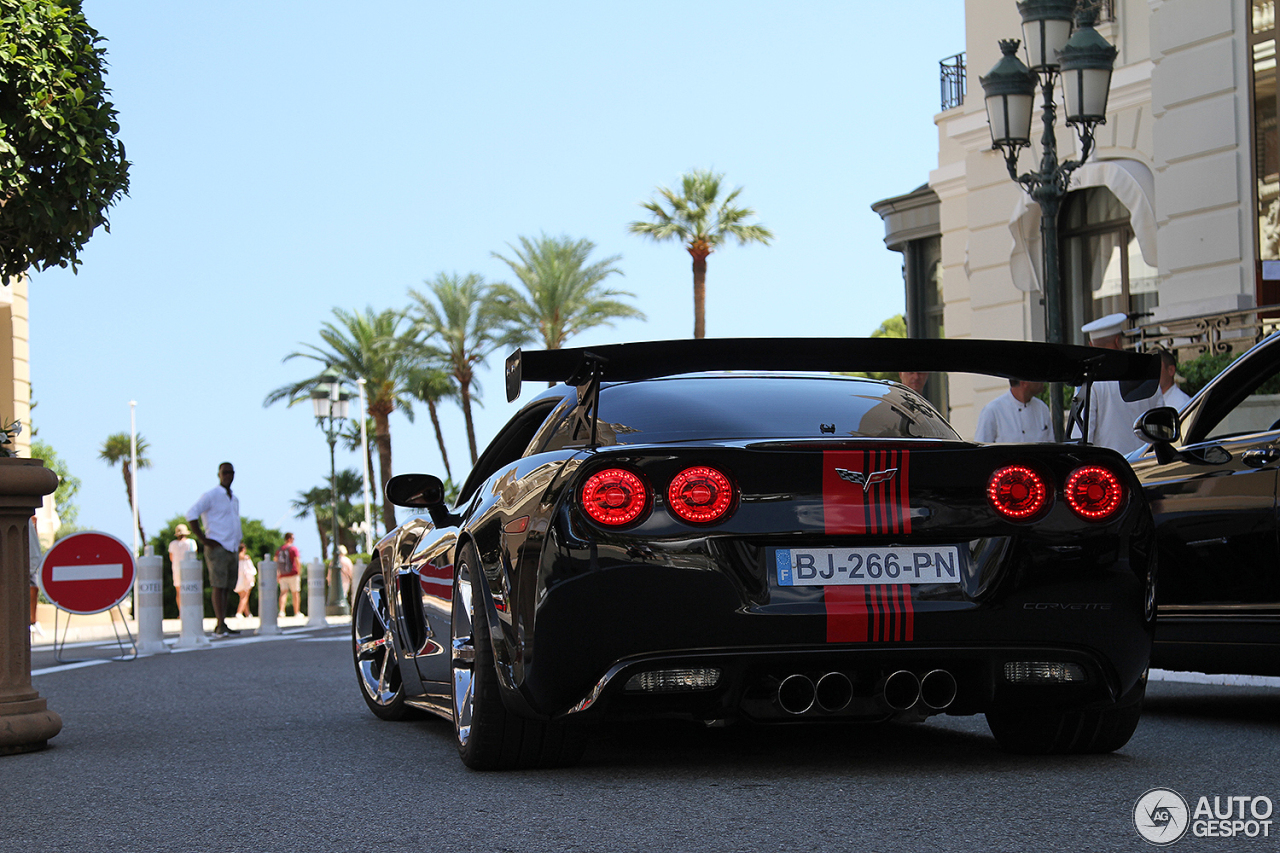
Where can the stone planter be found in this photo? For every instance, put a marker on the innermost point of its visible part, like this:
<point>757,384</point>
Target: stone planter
<point>26,723</point>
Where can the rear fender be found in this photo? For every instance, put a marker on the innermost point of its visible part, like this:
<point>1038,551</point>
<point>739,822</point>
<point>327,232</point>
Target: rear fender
<point>507,661</point>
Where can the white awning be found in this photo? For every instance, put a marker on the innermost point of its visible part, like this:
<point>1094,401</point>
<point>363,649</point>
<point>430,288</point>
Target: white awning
<point>1129,180</point>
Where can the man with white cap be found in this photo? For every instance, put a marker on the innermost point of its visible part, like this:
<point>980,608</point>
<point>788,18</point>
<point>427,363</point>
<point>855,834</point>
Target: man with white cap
<point>179,549</point>
<point>1111,416</point>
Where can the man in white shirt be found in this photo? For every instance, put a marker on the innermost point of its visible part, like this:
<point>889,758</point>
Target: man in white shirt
<point>215,517</point>
<point>1111,416</point>
<point>1018,416</point>
<point>1173,395</point>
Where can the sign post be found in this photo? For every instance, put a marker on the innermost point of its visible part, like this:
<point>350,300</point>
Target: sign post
<point>87,573</point>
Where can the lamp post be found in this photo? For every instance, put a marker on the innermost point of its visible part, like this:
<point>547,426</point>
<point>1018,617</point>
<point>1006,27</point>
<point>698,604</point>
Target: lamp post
<point>1084,60</point>
<point>329,402</point>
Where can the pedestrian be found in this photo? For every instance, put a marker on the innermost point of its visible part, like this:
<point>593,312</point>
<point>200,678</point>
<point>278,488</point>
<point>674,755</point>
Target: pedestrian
<point>346,567</point>
<point>1112,409</point>
<point>244,580</point>
<point>180,548</point>
<point>1018,416</point>
<point>218,510</point>
<point>288,569</point>
<point>1173,395</point>
<point>914,379</point>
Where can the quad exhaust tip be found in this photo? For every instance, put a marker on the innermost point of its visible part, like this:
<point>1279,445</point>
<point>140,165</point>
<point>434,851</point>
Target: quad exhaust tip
<point>796,694</point>
<point>834,692</point>
<point>937,689</point>
<point>901,690</point>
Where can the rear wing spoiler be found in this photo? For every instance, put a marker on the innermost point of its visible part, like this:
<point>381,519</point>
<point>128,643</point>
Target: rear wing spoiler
<point>1026,360</point>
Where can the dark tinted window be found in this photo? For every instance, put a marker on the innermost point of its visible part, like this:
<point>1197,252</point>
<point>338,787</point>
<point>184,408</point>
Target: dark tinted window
<point>757,407</point>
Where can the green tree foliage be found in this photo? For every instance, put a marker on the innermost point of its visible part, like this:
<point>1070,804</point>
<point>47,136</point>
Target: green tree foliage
<point>701,221</point>
<point>381,348</point>
<point>61,166</point>
<point>116,449</point>
<point>64,497</point>
<point>461,321</point>
<point>563,293</point>
<point>258,538</point>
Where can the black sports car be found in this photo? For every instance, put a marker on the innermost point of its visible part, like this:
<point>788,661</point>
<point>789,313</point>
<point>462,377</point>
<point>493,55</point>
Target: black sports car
<point>652,539</point>
<point>1212,490</point>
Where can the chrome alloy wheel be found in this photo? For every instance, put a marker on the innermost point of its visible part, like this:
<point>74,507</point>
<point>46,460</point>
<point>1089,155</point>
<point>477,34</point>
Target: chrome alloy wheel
<point>463,653</point>
<point>374,650</point>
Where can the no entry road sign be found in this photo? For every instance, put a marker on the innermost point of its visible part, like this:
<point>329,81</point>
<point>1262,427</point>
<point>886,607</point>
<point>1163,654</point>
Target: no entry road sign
<point>87,572</point>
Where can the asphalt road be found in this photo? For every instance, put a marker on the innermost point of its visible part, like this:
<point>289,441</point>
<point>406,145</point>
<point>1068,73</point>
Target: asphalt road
<point>267,746</point>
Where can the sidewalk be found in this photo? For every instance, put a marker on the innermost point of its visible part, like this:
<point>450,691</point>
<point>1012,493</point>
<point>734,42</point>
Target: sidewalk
<point>94,628</point>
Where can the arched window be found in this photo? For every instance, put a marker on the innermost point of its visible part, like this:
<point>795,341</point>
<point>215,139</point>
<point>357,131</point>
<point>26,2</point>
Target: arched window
<point>1103,271</point>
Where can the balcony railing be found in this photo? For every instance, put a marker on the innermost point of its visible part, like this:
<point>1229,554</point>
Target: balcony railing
<point>952,72</point>
<point>1189,337</point>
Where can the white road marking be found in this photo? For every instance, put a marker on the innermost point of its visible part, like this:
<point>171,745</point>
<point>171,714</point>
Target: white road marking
<point>299,634</point>
<point>1223,680</point>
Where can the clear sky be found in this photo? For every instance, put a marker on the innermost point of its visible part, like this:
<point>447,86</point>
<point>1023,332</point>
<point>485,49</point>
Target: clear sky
<point>290,157</point>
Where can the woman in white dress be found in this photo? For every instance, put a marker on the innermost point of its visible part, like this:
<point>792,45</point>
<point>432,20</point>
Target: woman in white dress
<point>244,583</point>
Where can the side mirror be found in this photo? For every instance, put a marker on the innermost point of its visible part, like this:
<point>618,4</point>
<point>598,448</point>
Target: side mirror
<point>1158,426</point>
<point>422,491</point>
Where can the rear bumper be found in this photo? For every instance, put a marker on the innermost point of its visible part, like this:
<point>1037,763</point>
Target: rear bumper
<point>749,680</point>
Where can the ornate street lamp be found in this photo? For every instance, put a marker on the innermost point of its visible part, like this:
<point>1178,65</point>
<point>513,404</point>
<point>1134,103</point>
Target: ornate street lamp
<point>329,403</point>
<point>1084,60</point>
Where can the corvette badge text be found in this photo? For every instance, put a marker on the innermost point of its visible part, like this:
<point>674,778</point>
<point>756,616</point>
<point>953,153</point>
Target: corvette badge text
<point>1162,816</point>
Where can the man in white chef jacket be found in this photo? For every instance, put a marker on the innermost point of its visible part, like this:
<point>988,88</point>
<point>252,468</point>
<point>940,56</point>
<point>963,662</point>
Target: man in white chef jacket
<point>1018,416</point>
<point>1111,416</point>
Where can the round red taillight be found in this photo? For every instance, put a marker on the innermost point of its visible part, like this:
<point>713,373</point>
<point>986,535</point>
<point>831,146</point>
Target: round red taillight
<point>1094,492</point>
<point>1017,492</point>
<point>614,496</point>
<point>700,495</point>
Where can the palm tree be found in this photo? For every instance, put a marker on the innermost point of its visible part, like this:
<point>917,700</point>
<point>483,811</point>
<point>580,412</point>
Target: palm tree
<point>372,345</point>
<point>432,383</point>
<point>698,220</point>
<point>116,449</point>
<point>564,292</point>
<point>462,322</point>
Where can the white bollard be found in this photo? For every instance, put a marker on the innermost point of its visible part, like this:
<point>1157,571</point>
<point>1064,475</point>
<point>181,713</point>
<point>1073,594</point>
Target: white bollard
<point>192,608</point>
<point>150,591</point>
<point>315,595</point>
<point>268,596</point>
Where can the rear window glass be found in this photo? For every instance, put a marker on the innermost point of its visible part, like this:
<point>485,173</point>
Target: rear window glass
<point>756,407</point>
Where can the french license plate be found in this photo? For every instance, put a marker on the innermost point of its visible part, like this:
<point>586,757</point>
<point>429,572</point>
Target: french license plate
<point>853,566</point>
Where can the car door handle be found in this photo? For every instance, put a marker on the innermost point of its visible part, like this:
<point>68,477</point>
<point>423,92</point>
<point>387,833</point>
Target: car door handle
<point>1259,458</point>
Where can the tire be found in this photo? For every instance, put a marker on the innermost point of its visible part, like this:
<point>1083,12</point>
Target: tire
<point>374,651</point>
<point>1066,733</point>
<point>489,737</point>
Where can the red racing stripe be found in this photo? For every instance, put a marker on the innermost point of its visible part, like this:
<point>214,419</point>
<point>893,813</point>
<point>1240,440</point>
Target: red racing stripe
<point>879,613</point>
<point>874,505</point>
<point>846,614</point>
